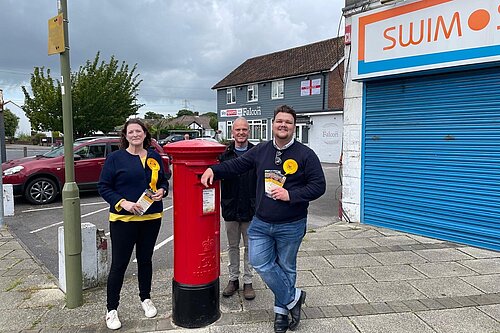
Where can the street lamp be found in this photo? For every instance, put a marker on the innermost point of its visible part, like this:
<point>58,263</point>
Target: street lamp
<point>2,223</point>
<point>2,130</point>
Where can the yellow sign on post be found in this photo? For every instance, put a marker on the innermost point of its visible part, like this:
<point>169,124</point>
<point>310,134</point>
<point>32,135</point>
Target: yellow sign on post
<point>56,35</point>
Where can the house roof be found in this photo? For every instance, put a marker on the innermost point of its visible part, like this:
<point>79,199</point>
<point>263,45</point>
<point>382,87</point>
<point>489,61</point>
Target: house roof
<point>307,59</point>
<point>203,121</point>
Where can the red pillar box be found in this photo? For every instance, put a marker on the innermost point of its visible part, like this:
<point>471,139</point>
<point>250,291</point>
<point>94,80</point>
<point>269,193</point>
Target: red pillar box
<point>195,286</point>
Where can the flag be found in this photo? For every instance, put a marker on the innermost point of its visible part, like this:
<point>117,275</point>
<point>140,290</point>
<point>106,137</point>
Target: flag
<point>310,87</point>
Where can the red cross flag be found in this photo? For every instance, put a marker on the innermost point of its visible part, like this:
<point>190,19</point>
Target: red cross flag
<point>310,87</point>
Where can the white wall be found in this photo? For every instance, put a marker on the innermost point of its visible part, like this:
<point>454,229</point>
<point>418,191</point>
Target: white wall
<point>325,137</point>
<point>351,159</point>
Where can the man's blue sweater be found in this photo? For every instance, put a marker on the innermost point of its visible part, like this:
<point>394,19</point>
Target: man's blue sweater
<point>124,177</point>
<point>306,184</point>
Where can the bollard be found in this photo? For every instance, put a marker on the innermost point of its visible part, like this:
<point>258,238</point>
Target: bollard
<point>94,256</point>
<point>195,285</point>
<point>25,151</point>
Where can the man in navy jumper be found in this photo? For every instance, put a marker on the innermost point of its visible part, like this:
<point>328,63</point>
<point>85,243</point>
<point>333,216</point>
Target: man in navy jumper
<point>289,176</point>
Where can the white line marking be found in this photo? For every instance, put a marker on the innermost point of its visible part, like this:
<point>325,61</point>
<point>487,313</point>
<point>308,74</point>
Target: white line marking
<point>58,223</point>
<point>169,207</point>
<point>60,207</point>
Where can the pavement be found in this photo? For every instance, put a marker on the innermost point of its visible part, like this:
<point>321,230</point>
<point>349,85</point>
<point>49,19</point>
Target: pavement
<point>358,278</point>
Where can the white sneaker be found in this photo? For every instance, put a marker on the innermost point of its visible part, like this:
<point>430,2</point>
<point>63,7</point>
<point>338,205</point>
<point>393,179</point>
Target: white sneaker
<point>149,308</point>
<point>112,320</point>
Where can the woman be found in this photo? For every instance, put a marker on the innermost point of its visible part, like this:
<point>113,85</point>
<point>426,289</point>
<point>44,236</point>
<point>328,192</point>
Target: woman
<point>135,220</point>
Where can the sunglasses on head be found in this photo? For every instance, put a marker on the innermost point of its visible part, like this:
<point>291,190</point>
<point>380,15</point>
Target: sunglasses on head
<point>277,158</point>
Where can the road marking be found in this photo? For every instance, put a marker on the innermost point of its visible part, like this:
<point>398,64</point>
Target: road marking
<point>60,207</point>
<point>58,223</point>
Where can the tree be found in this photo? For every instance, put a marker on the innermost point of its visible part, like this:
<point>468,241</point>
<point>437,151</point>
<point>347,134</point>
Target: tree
<point>104,95</point>
<point>214,124</point>
<point>152,115</point>
<point>185,112</point>
<point>11,122</point>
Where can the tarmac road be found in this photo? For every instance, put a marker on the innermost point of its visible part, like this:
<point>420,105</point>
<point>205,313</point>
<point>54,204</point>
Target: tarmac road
<point>37,226</point>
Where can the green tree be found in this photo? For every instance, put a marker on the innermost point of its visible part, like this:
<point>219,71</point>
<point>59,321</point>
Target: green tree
<point>214,124</point>
<point>11,122</point>
<point>152,115</point>
<point>185,112</point>
<point>104,95</point>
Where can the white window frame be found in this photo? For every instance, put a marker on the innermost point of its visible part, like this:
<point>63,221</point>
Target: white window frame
<point>255,133</point>
<point>278,89</point>
<point>231,96</point>
<point>253,93</point>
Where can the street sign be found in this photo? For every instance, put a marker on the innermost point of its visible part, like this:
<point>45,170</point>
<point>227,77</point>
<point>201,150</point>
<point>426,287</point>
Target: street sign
<point>56,35</point>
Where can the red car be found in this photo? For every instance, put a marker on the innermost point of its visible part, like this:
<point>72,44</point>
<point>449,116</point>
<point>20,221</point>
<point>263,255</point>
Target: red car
<point>40,178</point>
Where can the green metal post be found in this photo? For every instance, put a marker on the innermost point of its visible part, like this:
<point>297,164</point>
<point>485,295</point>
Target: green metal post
<point>70,194</point>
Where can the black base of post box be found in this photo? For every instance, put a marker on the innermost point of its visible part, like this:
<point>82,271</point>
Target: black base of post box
<point>195,306</point>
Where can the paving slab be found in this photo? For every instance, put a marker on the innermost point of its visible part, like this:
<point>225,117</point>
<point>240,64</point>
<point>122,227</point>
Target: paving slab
<point>479,253</point>
<point>398,258</point>
<point>333,295</point>
<point>391,323</point>
<point>393,273</point>
<point>351,260</point>
<point>491,310</point>
<point>332,276</point>
<point>307,279</point>
<point>388,291</point>
<point>444,269</point>
<point>444,287</point>
<point>353,243</point>
<point>308,263</point>
<point>310,244</point>
<point>436,255</point>
<point>394,240</point>
<point>361,233</point>
<point>463,320</point>
<point>483,266</point>
<point>486,283</point>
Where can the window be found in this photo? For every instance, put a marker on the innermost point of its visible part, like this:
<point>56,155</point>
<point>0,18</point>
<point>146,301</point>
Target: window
<point>277,89</point>
<point>257,130</point>
<point>91,151</point>
<point>252,93</point>
<point>231,96</point>
<point>302,133</point>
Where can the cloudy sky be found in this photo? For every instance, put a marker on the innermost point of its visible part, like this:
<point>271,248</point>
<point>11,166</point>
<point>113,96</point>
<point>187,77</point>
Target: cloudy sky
<point>181,47</point>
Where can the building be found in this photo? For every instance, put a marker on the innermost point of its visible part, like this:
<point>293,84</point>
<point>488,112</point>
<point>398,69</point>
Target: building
<point>422,118</point>
<point>308,78</point>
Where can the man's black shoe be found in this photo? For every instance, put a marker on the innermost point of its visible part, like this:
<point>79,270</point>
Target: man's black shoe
<point>280,323</point>
<point>295,311</point>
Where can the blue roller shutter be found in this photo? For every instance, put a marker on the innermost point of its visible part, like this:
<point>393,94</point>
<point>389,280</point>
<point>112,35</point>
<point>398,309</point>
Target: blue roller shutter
<point>431,156</point>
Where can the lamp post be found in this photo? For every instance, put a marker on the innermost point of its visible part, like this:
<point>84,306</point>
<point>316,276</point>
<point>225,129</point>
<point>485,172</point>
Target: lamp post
<point>2,223</point>
<point>2,130</point>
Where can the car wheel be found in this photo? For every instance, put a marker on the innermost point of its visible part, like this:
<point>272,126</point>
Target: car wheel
<point>41,191</point>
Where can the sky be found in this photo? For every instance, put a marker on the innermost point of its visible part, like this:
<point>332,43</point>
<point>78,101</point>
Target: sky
<point>181,47</point>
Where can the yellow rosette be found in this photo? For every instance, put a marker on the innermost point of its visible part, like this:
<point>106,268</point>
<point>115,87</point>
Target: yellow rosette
<point>290,167</point>
<point>155,167</point>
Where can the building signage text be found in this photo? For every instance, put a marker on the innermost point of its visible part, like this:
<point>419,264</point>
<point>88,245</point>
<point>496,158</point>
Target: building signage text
<point>241,112</point>
<point>421,35</point>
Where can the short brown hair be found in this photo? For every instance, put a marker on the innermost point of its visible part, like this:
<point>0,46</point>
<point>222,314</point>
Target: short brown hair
<point>123,134</point>
<point>285,109</point>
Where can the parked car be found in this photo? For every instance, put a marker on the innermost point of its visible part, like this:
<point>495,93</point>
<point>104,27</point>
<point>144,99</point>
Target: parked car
<point>40,178</point>
<point>171,138</point>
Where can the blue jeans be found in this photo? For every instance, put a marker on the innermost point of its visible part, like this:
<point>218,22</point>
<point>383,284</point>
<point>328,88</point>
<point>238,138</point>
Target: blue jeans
<point>273,254</point>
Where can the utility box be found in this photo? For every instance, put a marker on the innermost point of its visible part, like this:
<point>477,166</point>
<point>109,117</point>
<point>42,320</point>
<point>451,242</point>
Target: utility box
<point>94,256</point>
<point>195,287</point>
